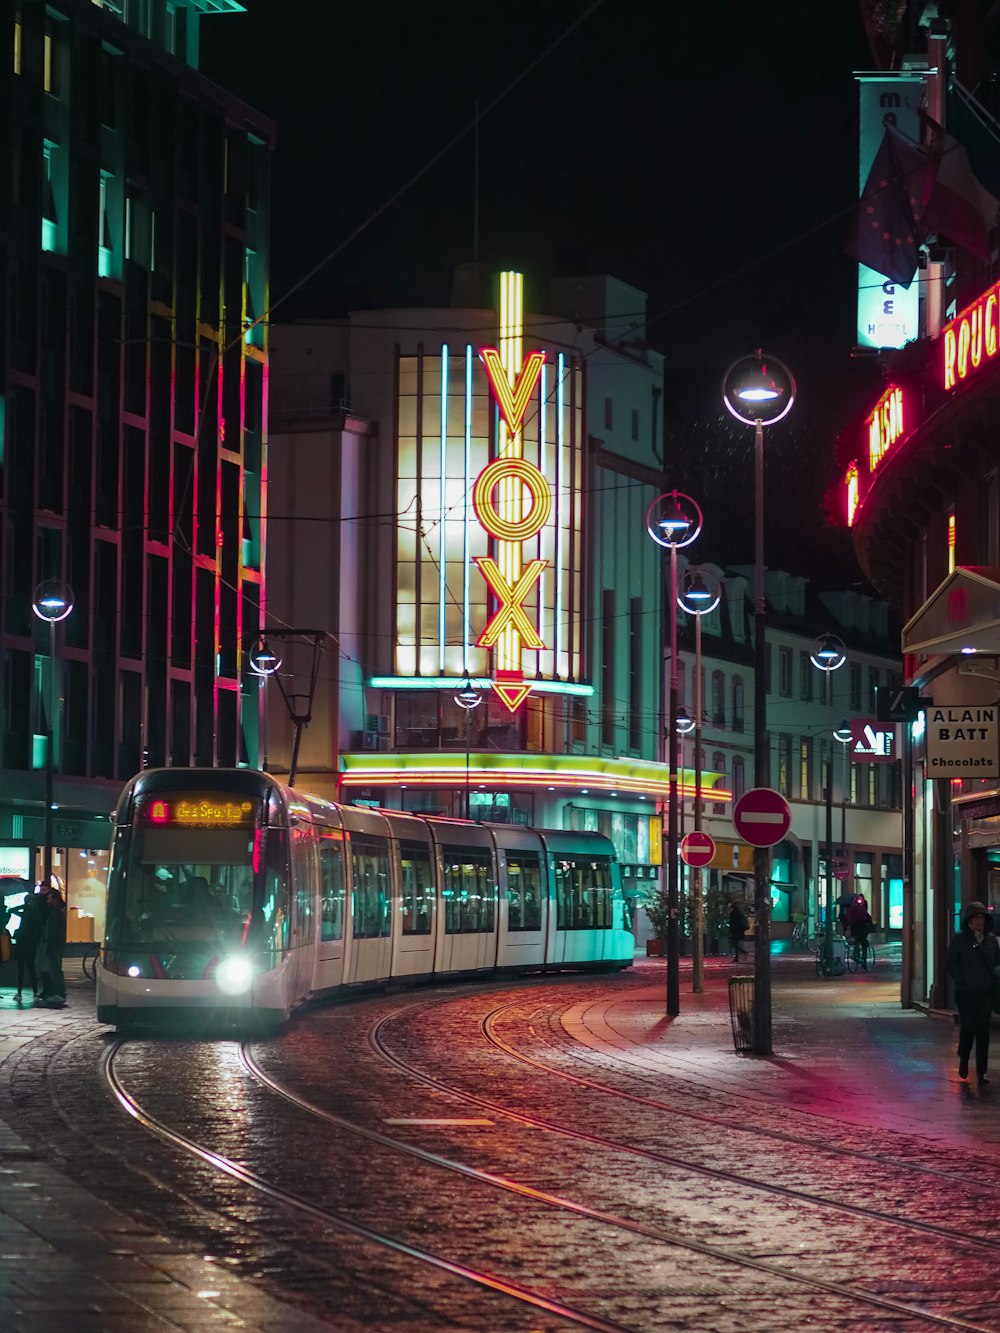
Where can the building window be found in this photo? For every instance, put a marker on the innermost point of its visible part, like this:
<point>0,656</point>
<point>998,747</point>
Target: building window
<point>718,699</point>
<point>719,766</point>
<point>873,784</point>
<point>608,414</point>
<point>785,765</point>
<point>854,685</point>
<point>854,784</point>
<point>608,667</point>
<point>635,423</point>
<point>767,666</point>
<point>952,537</point>
<point>739,778</point>
<point>53,55</point>
<point>991,518</point>
<point>634,672</point>
<point>104,229</point>
<point>50,220</point>
<point>805,677</point>
<point>805,767</point>
<point>872,687</point>
<point>17,42</point>
<point>737,703</point>
<point>785,672</point>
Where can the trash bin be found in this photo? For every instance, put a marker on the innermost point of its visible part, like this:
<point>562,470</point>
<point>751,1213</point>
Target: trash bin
<point>836,965</point>
<point>741,1014</point>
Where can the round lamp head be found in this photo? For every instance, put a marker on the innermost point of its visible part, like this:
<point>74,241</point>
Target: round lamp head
<point>673,520</point>
<point>264,661</point>
<point>468,697</point>
<point>829,653</point>
<point>53,600</point>
<point>700,594</point>
<point>685,722</point>
<point>758,388</point>
<point>843,733</point>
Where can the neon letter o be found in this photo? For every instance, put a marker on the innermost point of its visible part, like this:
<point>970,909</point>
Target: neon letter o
<point>513,469</point>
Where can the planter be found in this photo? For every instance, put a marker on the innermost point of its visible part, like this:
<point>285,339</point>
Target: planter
<point>656,948</point>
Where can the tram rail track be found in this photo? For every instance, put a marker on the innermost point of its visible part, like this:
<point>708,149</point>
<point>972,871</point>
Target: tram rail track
<point>853,1293</point>
<point>331,1217</point>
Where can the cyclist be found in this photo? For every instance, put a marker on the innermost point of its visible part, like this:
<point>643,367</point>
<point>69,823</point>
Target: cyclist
<point>859,922</point>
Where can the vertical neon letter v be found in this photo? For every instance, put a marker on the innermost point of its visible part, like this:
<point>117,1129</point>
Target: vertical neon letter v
<point>513,403</point>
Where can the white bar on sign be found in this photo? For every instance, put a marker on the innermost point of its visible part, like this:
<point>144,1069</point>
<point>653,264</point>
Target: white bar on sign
<point>762,817</point>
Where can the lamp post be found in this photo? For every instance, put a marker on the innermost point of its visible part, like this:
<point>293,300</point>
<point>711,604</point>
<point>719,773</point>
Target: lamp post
<point>52,602</point>
<point>828,655</point>
<point>700,595</point>
<point>759,390</point>
<point>673,520</point>
<point>264,662</point>
<point>469,698</point>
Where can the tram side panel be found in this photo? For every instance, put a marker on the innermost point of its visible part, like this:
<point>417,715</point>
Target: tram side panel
<point>467,925</point>
<point>525,906</point>
<point>587,899</point>
<point>415,897</point>
<point>330,907</point>
<point>368,953</point>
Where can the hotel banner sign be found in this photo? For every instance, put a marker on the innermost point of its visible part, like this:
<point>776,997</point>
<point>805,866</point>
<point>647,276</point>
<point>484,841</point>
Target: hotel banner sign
<point>963,741</point>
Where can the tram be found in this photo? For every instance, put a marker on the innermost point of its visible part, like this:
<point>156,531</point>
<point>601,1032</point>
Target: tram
<point>234,896</point>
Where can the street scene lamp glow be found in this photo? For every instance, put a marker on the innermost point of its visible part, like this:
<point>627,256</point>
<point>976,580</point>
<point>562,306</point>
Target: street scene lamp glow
<point>843,732</point>
<point>829,653</point>
<point>685,722</point>
<point>758,388</point>
<point>263,660</point>
<point>673,520</point>
<point>468,696</point>
<point>53,601</point>
<point>701,593</point>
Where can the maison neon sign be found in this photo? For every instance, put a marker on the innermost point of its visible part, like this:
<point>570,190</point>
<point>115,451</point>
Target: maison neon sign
<point>971,338</point>
<point>512,501</point>
<point>885,426</point>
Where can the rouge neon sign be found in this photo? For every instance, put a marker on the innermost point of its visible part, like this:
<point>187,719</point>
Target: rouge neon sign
<point>971,339</point>
<point>885,426</point>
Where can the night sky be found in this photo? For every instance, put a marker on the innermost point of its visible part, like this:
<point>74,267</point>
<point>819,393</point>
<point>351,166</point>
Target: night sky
<point>706,154</point>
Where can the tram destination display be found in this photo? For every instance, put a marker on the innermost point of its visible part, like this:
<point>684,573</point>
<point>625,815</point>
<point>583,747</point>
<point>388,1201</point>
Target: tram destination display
<point>963,741</point>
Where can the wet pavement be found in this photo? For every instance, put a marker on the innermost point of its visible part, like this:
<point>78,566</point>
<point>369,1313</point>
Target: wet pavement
<point>851,1071</point>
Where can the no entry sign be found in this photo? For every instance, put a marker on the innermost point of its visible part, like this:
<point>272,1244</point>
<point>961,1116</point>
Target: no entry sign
<point>697,849</point>
<point>762,817</point>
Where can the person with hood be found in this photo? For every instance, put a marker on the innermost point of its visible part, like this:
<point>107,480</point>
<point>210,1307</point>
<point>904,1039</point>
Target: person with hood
<point>973,961</point>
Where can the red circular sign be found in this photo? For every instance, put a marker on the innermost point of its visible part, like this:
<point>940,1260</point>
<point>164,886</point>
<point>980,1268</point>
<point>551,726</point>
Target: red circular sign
<point>762,817</point>
<point>697,849</point>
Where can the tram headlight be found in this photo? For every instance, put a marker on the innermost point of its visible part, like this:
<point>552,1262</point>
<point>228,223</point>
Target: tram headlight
<point>234,976</point>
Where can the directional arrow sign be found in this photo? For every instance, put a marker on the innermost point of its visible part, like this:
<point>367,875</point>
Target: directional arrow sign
<point>762,817</point>
<point>697,849</point>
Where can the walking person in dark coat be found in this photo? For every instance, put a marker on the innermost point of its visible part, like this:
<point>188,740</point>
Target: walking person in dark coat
<point>973,959</point>
<point>55,946</point>
<point>738,927</point>
<point>27,940</point>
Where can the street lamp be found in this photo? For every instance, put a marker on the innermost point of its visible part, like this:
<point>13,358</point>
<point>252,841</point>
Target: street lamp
<point>759,390</point>
<point>673,520</point>
<point>828,655</point>
<point>700,595</point>
<point>52,602</point>
<point>468,698</point>
<point>264,662</point>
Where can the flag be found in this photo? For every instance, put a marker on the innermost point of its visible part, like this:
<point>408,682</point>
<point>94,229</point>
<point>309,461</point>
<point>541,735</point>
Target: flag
<point>978,133</point>
<point>884,234</point>
<point>959,208</point>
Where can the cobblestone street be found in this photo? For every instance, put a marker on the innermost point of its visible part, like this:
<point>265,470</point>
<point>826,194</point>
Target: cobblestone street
<point>544,1153</point>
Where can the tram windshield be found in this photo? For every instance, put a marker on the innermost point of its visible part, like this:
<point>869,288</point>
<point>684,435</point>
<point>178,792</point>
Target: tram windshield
<point>193,881</point>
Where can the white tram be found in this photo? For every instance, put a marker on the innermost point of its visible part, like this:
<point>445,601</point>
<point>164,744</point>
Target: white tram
<point>231,894</point>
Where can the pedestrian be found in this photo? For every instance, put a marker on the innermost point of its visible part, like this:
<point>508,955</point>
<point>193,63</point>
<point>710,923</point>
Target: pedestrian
<point>26,941</point>
<point>54,991</point>
<point>860,924</point>
<point>738,927</point>
<point>973,961</point>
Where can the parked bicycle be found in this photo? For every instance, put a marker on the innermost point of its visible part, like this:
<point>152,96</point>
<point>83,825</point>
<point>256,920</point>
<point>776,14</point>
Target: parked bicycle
<point>800,932</point>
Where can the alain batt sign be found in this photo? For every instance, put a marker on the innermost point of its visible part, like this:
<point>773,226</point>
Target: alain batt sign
<point>962,741</point>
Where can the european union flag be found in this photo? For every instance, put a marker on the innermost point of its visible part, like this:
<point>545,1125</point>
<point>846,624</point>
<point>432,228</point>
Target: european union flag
<point>884,233</point>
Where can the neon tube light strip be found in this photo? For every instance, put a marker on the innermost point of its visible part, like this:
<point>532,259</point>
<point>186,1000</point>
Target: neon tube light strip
<point>478,683</point>
<point>443,515</point>
<point>558,533</point>
<point>466,519</point>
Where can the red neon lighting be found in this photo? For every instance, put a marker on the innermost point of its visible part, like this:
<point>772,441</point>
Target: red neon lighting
<point>971,338</point>
<point>158,813</point>
<point>885,425</point>
<point>510,611</point>
<point>511,688</point>
<point>512,402</point>
<point>516,469</point>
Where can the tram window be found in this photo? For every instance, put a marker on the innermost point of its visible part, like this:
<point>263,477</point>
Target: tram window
<point>469,890</point>
<point>524,892</point>
<point>371,897</point>
<point>583,893</point>
<point>275,905</point>
<point>417,885</point>
<point>331,871</point>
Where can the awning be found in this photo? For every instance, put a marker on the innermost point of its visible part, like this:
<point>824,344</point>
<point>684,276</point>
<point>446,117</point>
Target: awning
<point>962,613</point>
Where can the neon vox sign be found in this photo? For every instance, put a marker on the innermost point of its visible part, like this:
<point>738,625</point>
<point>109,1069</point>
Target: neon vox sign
<point>971,338</point>
<point>513,502</point>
